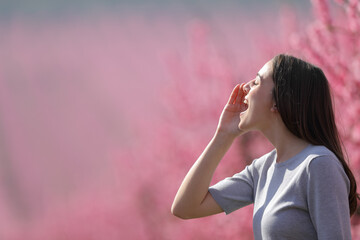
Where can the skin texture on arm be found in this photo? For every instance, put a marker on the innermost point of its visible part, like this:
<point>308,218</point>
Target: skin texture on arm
<point>193,199</point>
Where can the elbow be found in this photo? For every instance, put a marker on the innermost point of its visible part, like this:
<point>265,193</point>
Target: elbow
<point>177,212</point>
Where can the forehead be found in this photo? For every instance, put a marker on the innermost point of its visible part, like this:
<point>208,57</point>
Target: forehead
<point>266,70</point>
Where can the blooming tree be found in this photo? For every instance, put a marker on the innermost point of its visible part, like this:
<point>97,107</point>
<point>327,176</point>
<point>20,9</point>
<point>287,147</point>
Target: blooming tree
<point>332,42</point>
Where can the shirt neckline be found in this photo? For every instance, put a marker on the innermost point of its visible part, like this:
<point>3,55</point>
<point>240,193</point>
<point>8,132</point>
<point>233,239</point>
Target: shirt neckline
<point>284,163</point>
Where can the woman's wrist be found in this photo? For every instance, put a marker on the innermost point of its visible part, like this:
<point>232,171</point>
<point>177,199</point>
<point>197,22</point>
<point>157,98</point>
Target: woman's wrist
<point>224,136</point>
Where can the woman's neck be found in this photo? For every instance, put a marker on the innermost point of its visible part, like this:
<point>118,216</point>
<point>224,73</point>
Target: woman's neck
<point>286,144</point>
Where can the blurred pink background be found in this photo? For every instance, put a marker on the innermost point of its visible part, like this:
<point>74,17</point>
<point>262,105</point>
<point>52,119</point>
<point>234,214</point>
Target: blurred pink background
<point>105,106</point>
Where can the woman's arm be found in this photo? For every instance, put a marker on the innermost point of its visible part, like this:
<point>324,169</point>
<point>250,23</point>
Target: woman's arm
<point>328,190</point>
<point>193,199</point>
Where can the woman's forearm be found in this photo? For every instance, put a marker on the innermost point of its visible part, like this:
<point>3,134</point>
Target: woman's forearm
<point>195,185</point>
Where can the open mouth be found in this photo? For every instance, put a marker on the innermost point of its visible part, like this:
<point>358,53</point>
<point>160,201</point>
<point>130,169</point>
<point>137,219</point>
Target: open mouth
<point>246,101</point>
<point>245,106</point>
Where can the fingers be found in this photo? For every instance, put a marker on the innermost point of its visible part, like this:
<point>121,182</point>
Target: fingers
<point>238,94</point>
<point>234,94</point>
<point>241,95</point>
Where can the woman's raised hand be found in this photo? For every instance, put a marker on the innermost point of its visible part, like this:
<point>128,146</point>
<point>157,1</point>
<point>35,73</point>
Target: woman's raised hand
<point>193,199</point>
<point>230,116</point>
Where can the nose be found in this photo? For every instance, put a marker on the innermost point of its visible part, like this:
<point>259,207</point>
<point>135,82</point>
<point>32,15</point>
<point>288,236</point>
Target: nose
<point>247,87</point>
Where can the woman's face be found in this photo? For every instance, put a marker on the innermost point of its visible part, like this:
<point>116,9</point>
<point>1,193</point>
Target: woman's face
<point>259,100</point>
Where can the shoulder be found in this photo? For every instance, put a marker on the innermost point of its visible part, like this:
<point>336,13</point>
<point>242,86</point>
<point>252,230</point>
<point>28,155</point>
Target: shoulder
<point>320,157</point>
<point>323,165</point>
<point>314,151</point>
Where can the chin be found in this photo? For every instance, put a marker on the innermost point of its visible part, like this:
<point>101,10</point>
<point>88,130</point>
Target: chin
<point>245,125</point>
<point>241,127</point>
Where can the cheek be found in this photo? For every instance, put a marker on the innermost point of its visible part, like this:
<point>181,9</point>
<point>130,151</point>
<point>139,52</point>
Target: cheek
<point>270,101</point>
<point>264,99</point>
<point>250,93</point>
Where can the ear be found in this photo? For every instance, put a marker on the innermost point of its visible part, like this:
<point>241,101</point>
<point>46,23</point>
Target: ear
<point>274,108</point>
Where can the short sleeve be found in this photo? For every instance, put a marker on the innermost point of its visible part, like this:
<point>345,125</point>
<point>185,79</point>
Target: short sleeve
<point>328,190</point>
<point>234,192</point>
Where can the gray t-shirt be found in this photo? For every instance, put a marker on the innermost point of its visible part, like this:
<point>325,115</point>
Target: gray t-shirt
<point>305,197</point>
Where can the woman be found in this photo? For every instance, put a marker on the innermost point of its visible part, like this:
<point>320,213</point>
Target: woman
<point>303,189</point>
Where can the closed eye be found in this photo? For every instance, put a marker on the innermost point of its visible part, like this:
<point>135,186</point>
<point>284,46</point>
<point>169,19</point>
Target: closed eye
<point>257,79</point>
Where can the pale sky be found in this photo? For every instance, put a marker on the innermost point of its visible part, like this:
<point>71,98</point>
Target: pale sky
<point>53,8</point>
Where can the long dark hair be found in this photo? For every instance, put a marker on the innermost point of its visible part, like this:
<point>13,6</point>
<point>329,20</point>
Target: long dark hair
<point>303,99</point>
